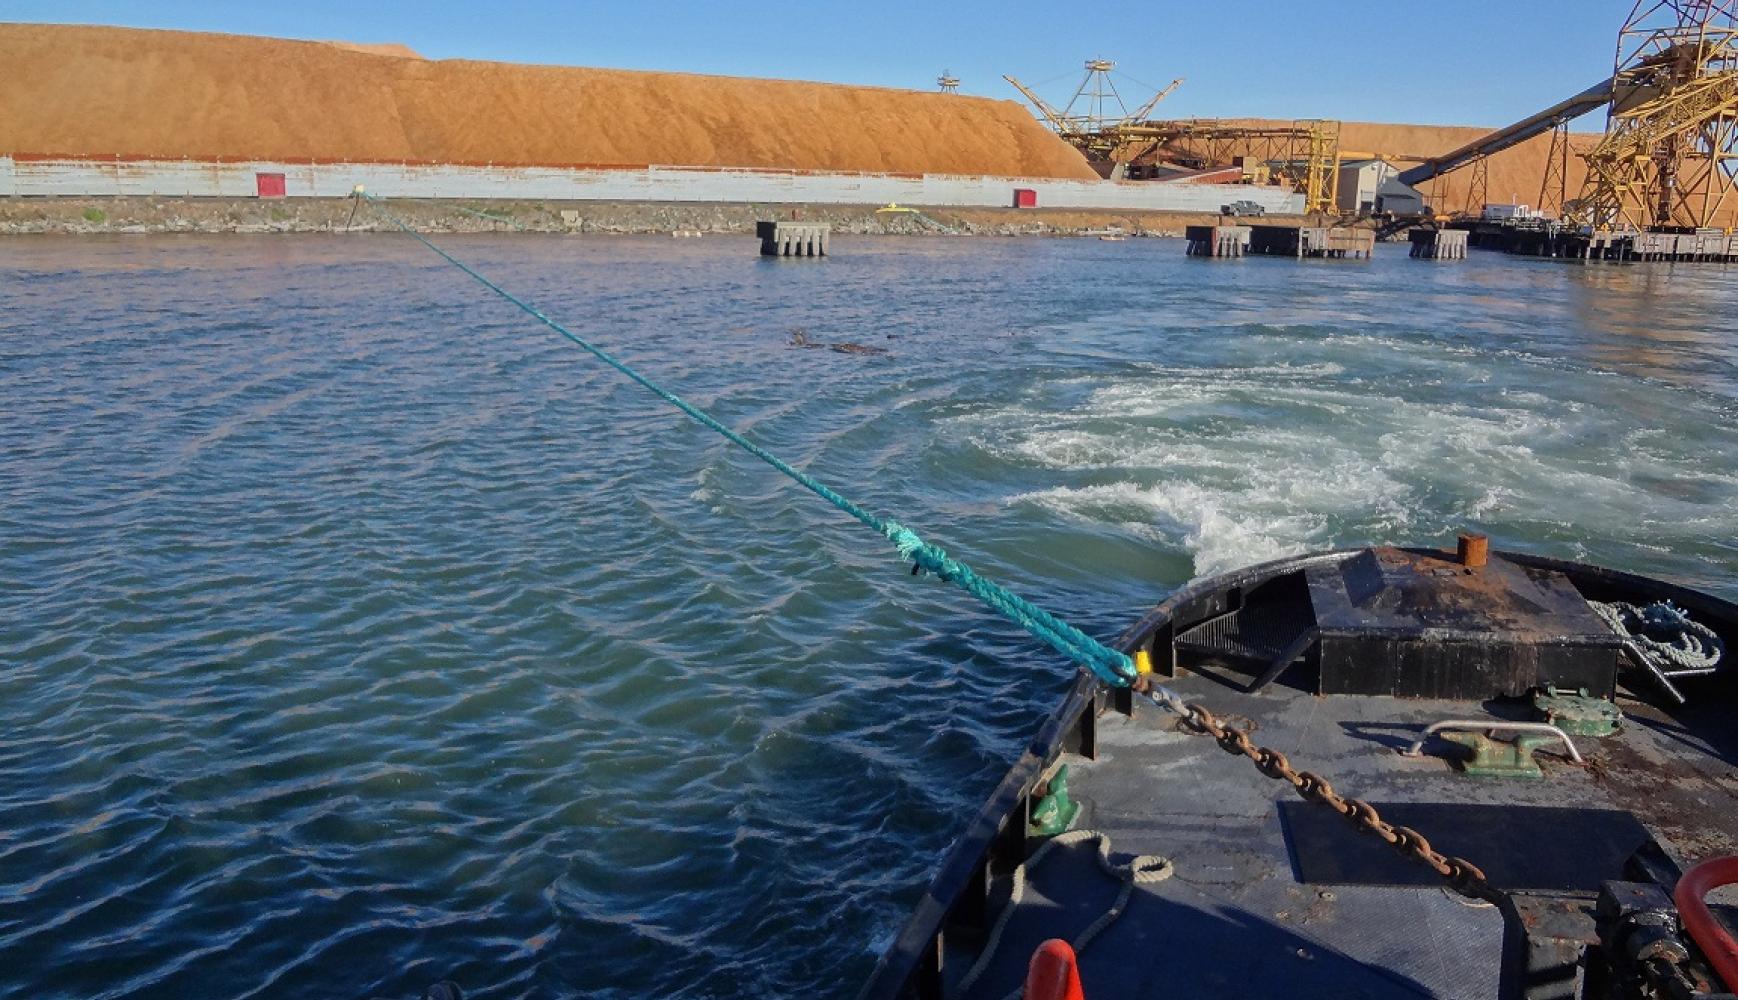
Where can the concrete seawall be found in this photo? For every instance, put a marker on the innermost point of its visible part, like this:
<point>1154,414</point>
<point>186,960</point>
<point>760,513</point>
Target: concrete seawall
<point>31,176</point>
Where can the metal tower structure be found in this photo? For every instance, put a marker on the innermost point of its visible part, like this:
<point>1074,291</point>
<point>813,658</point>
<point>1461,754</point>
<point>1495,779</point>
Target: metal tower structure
<point>1101,108</point>
<point>1669,157</point>
<point>948,83</point>
<point>1554,188</point>
<point>1478,187</point>
<point>1321,180</point>
<point>1096,94</point>
<point>1097,122</point>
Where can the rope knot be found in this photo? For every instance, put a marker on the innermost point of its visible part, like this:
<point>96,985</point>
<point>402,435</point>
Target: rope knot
<point>904,539</point>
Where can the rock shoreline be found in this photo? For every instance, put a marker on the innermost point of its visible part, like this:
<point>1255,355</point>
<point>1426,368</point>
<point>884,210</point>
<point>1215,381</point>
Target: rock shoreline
<point>141,214</point>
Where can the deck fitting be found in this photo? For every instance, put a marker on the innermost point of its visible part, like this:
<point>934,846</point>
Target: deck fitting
<point>1055,812</point>
<point>1577,712</point>
<point>1494,758</point>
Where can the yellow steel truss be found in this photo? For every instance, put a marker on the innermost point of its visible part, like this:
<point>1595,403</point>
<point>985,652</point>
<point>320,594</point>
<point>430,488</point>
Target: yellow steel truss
<point>1321,179</point>
<point>1307,151</point>
<point>1667,161</point>
<point>1670,151</point>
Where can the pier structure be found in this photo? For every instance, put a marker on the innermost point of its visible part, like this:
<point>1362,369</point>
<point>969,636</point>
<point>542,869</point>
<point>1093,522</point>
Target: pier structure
<point>1535,238</point>
<point>1312,241</point>
<point>793,239</point>
<point>1439,244</point>
<point>1701,246</point>
<point>1217,241</point>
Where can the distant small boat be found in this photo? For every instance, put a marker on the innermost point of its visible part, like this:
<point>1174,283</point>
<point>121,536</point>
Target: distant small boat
<point>1113,239</point>
<point>693,234</point>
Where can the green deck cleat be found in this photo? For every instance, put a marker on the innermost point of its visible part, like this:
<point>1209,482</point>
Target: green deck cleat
<point>1055,812</point>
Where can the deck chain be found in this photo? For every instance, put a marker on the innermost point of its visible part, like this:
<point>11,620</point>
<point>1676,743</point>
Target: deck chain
<point>1461,875</point>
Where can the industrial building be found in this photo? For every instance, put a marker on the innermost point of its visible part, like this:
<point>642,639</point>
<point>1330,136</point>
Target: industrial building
<point>1360,183</point>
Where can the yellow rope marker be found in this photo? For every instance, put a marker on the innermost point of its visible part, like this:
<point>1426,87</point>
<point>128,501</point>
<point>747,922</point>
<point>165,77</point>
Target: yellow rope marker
<point>1143,662</point>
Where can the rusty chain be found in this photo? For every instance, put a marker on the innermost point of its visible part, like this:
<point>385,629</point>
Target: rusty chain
<point>1461,875</point>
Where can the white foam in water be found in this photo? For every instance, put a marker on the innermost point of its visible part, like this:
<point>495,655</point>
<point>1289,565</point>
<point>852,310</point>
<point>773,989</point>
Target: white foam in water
<point>1239,464</point>
<point>1199,519</point>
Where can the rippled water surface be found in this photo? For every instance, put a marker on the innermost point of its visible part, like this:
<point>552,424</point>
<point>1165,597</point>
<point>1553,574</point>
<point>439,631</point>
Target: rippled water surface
<point>357,633</point>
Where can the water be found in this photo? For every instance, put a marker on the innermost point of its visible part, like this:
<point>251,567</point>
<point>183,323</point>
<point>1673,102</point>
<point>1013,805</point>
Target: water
<point>356,633</point>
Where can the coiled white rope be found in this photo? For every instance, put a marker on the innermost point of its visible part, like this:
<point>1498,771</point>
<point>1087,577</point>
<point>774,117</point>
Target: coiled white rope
<point>1689,645</point>
<point>1142,869</point>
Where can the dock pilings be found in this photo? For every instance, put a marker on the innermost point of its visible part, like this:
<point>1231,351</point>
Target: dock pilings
<point>1216,241</point>
<point>793,239</point>
<point>1439,244</point>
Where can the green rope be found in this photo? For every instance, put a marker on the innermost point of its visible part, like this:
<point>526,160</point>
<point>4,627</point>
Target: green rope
<point>1107,664</point>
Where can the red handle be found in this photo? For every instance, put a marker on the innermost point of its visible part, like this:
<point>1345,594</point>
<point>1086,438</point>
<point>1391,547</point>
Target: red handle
<point>1714,940</point>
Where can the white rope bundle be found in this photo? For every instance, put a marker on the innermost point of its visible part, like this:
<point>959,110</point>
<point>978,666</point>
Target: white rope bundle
<point>1691,646</point>
<point>1141,870</point>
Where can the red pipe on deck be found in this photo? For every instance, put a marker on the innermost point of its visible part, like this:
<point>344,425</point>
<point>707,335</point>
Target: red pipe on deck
<point>1714,940</point>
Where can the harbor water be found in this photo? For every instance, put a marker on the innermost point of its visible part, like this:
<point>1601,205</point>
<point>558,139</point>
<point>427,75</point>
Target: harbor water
<point>358,633</point>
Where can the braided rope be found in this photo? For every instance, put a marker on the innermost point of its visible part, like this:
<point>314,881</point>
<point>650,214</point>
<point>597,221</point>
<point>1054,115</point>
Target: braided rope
<point>1142,869</point>
<point>1107,664</point>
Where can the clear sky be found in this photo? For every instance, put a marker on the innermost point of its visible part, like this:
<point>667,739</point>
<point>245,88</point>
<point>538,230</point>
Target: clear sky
<point>1454,62</point>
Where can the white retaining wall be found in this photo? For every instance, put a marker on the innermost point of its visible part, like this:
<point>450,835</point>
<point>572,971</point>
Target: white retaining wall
<point>183,178</point>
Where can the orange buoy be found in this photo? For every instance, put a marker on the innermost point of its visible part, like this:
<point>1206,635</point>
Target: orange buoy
<point>1053,973</point>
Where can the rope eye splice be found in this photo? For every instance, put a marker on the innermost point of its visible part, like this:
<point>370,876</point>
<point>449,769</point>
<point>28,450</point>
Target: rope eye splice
<point>1108,665</point>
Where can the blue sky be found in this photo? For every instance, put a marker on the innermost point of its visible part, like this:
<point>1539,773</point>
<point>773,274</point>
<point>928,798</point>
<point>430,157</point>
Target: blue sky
<point>1472,62</point>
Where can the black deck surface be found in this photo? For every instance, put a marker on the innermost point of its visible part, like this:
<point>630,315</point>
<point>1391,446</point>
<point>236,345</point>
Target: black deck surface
<point>1538,848</point>
<point>1326,912</point>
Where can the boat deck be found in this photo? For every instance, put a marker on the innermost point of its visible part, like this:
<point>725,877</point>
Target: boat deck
<point>1275,896</point>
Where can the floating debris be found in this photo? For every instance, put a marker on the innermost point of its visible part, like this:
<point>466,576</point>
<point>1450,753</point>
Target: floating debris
<point>800,338</point>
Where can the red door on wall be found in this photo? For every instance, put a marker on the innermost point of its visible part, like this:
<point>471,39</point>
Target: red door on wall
<point>270,185</point>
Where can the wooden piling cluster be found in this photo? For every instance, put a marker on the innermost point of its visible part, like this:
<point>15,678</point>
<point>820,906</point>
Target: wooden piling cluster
<point>1216,241</point>
<point>1439,244</point>
<point>793,239</point>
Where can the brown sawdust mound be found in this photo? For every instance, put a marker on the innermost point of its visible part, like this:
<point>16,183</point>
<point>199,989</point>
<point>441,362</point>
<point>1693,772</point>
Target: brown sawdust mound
<point>92,90</point>
<point>397,49</point>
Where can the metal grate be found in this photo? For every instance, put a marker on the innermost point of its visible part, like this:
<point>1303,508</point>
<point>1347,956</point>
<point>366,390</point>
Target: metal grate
<point>1260,630</point>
